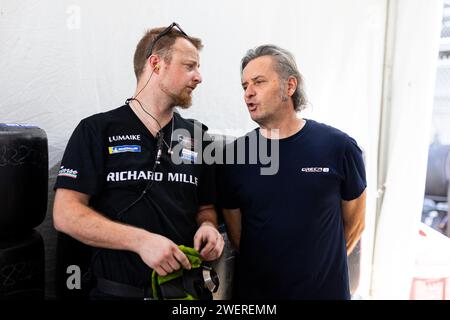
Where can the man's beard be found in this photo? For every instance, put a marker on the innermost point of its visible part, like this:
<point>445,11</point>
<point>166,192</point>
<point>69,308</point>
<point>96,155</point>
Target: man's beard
<point>182,100</point>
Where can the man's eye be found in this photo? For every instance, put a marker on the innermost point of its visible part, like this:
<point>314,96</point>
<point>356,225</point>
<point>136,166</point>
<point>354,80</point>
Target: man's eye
<point>190,66</point>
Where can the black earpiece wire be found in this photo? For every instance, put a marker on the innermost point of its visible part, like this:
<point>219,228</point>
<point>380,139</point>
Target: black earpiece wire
<point>159,146</point>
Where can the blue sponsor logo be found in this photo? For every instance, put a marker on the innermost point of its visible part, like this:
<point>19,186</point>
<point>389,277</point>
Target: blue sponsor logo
<point>127,148</point>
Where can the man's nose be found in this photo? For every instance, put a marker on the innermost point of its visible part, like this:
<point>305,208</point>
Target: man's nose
<point>249,91</point>
<point>198,77</point>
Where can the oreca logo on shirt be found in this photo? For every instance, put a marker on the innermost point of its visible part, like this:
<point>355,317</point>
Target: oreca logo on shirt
<point>315,169</point>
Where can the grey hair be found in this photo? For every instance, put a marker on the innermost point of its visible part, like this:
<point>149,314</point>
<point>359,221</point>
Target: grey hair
<point>285,66</point>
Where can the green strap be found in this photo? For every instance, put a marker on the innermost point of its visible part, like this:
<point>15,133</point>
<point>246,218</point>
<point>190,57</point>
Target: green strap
<point>194,259</point>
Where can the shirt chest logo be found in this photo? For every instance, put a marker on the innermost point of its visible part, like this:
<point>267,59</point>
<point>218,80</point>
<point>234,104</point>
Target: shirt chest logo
<point>316,169</point>
<point>125,148</point>
<point>125,137</point>
<point>188,155</point>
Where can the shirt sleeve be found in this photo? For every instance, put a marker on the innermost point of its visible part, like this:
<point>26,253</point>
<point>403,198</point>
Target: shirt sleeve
<point>82,164</point>
<point>227,197</point>
<point>354,181</point>
<point>207,182</point>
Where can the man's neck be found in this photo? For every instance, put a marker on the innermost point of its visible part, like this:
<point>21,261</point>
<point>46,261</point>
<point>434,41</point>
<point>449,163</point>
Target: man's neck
<point>158,105</point>
<point>283,128</point>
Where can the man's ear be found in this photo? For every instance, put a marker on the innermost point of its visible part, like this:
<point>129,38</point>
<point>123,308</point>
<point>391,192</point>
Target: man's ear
<point>154,63</point>
<point>292,86</point>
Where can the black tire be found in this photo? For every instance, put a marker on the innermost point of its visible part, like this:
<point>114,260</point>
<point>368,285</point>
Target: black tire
<point>23,178</point>
<point>22,267</point>
<point>71,252</point>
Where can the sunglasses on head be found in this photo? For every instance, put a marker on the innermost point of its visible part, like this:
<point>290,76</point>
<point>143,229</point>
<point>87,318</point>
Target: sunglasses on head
<point>162,34</point>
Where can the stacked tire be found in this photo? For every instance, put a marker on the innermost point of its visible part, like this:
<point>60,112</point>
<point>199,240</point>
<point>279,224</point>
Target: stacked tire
<point>23,205</point>
<point>72,253</point>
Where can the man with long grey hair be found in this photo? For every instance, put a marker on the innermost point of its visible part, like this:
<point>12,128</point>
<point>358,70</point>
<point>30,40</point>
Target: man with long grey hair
<point>293,229</point>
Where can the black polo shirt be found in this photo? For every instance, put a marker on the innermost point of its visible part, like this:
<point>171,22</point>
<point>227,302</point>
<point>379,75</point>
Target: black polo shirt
<point>110,156</point>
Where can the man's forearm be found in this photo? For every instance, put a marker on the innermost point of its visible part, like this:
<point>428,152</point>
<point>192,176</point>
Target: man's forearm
<point>207,215</point>
<point>72,215</point>
<point>352,236</point>
<point>90,227</point>
<point>233,222</point>
<point>353,217</point>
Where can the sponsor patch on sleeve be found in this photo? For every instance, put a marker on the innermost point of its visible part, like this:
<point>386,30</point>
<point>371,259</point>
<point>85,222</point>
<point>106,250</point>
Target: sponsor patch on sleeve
<point>66,172</point>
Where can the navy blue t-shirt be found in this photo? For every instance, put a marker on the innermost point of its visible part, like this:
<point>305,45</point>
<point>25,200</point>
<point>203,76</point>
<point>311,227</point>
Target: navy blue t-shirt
<point>292,241</point>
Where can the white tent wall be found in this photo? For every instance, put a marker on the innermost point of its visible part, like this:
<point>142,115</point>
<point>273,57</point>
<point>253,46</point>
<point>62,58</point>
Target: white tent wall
<point>410,69</point>
<point>61,61</point>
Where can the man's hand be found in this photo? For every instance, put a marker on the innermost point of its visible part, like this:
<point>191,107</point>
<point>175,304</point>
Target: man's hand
<point>209,240</point>
<point>162,254</point>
